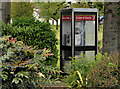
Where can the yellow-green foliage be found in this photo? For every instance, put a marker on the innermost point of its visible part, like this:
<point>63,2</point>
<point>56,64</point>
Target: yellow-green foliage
<point>79,69</point>
<point>19,9</point>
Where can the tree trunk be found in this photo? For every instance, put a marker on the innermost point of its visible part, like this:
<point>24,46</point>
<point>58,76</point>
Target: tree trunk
<point>110,30</point>
<point>47,20</point>
<point>52,22</point>
<point>119,27</point>
<point>6,12</point>
<point>0,10</point>
<point>119,41</point>
<point>56,24</point>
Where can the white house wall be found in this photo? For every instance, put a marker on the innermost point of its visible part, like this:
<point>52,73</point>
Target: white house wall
<point>50,21</point>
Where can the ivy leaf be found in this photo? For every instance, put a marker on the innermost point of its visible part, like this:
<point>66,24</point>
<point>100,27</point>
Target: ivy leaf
<point>16,80</point>
<point>110,64</point>
<point>22,74</point>
<point>41,75</point>
<point>57,82</point>
<point>4,75</point>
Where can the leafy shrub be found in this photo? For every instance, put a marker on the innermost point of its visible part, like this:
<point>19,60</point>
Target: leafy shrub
<point>34,33</point>
<point>105,71</point>
<point>79,68</point>
<point>24,21</point>
<point>22,65</point>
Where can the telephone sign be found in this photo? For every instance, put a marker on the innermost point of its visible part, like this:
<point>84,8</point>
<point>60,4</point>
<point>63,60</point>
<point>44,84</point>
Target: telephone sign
<point>79,18</point>
<point>86,18</point>
<point>66,18</point>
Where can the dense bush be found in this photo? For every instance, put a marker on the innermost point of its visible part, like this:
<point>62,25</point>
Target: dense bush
<point>34,33</point>
<point>105,71</point>
<point>79,69</point>
<point>22,65</point>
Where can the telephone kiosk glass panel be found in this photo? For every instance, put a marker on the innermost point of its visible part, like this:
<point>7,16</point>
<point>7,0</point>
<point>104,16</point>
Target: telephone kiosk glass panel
<point>66,35</point>
<point>66,32</point>
<point>84,32</point>
<point>66,39</point>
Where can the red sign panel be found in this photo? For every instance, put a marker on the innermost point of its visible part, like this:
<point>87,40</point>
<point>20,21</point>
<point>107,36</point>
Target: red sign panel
<point>88,18</point>
<point>79,18</point>
<point>66,18</point>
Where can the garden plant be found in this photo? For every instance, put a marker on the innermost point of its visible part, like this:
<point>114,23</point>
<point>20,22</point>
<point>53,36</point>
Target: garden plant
<point>99,73</point>
<point>34,33</point>
<point>105,72</point>
<point>78,71</point>
<point>23,67</point>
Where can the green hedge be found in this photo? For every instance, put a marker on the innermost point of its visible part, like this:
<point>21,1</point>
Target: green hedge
<point>34,33</point>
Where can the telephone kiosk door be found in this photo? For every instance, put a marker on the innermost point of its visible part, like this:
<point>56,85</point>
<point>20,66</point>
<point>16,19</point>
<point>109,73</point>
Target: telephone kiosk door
<point>65,42</point>
<point>85,34</point>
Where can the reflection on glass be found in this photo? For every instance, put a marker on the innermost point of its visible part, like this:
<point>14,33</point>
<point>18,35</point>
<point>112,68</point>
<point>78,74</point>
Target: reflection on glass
<point>65,66</point>
<point>88,54</point>
<point>90,33</point>
<point>84,33</point>
<point>66,33</point>
<point>65,59</point>
<point>79,33</point>
<point>66,54</point>
<point>77,53</point>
